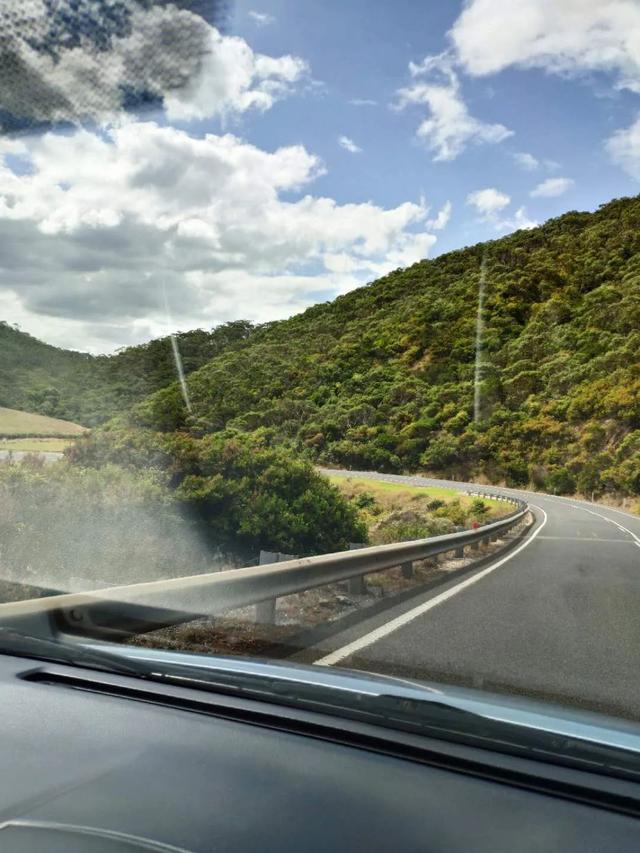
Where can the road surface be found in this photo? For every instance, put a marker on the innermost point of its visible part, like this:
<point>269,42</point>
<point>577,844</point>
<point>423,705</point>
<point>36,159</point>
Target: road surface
<point>557,618</point>
<point>47,455</point>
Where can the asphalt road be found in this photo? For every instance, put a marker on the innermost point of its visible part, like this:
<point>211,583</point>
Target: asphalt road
<point>47,455</point>
<point>559,618</point>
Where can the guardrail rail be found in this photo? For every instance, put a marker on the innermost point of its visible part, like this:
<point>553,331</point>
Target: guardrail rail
<point>118,612</point>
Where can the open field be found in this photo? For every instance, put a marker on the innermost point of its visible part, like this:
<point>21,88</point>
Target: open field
<point>35,445</point>
<point>26,424</point>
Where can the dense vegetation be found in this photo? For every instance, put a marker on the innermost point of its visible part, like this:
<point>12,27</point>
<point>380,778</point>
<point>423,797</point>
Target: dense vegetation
<point>241,493</point>
<point>38,377</point>
<point>177,507</point>
<point>382,378</point>
<point>67,527</point>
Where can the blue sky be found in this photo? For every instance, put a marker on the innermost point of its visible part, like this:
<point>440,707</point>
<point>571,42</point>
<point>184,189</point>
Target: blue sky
<point>362,50</point>
<point>316,146</point>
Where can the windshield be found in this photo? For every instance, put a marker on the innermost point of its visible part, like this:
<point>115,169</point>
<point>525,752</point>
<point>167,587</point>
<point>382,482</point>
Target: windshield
<point>319,344</point>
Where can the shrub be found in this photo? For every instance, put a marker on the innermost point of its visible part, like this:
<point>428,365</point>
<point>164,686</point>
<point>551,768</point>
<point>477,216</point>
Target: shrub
<point>243,493</point>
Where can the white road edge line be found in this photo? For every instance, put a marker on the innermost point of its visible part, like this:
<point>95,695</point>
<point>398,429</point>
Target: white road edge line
<point>576,503</point>
<point>410,615</point>
<point>611,521</point>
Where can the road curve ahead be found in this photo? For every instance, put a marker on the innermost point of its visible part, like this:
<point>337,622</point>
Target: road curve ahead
<point>558,618</point>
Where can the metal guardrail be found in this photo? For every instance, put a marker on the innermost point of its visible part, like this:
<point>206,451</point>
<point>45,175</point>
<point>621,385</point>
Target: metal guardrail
<point>118,612</point>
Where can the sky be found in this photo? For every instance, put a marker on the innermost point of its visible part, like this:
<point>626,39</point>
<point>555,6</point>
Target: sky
<point>164,167</point>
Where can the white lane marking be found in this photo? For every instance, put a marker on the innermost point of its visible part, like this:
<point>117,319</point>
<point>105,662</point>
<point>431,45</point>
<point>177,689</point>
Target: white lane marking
<point>595,540</point>
<point>410,615</point>
<point>578,504</point>
<point>635,538</point>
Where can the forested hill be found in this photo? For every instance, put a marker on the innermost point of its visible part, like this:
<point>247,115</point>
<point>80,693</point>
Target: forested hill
<point>37,377</point>
<point>382,378</point>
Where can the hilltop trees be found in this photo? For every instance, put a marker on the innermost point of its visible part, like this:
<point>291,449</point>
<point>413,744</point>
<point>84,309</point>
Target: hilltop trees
<point>383,377</point>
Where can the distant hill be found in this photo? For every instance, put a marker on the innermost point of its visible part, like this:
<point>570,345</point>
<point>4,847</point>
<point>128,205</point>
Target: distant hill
<point>383,377</point>
<point>48,380</point>
<point>14,424</point>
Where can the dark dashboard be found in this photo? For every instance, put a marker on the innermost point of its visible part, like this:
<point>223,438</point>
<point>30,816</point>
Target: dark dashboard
<point>94,762</point>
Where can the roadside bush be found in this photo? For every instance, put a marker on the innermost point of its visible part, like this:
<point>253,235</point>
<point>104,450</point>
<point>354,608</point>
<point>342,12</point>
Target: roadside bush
<point>560,481</point>
<point>364,500</point>
<point>435,504</point>
<point>63,527</point>
<point>243,493</point>
<point>478,508</point>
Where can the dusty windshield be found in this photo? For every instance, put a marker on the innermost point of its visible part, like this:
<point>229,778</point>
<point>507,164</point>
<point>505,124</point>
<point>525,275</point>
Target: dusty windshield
<point>320,335</point>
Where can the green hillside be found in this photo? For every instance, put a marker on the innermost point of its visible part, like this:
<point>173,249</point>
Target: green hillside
<point>37,377</point>
<point>383,377</point>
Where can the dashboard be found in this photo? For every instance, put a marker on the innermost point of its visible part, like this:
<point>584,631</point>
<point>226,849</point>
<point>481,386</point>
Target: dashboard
<point>97,762</point>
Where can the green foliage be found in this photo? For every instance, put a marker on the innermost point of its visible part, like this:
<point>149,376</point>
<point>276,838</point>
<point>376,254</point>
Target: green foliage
<point>382,378</point>
<point>60,523</point>
<point>403,527</point>
<point>479,508</point>
<point>435,504</point>
<point>41,378</point>
<point>364,500</point>
<point>242,493</point>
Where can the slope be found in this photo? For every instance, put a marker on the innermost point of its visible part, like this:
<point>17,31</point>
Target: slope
<point>383,377</point>
<point>37,377</point>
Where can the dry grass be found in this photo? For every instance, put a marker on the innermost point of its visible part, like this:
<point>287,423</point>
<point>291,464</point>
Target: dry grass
<point>16,423</point>
<point>36,445</point>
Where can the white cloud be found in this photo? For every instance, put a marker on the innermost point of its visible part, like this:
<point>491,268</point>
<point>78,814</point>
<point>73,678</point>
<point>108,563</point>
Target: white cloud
<point>363,102</point>
<point>526,161</point>
<point>521,220</point>
<point>170,53</point>
<point>624,149</point>
<point>488,202</point>
<point>349,145</point>
<point>442,217</point>
<point>262,19</point>
<point>99,223</point>
<point>561,36</point>
<point>552,187</point>
<point>449,128</point>
<point>234,79</point>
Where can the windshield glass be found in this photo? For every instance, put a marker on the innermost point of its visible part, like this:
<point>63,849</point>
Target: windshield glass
<point>319,340</point>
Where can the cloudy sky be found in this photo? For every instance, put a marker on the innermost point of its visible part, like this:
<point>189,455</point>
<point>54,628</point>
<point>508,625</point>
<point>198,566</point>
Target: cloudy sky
<point>304,149</point>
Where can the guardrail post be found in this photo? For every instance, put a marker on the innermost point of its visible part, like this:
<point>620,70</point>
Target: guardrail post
<point>357,585</point>
<point>407,569</point>
<point>265,612</point>
<point>458,552</point>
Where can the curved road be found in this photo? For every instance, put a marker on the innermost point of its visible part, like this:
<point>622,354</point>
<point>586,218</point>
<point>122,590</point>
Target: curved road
<point>558,617</point>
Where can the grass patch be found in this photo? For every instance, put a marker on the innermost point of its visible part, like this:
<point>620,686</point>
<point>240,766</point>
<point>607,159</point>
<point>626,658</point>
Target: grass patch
<point>14,423</point>
<point>399,496</point>
<point>36,445</point>
<point>395,512</point>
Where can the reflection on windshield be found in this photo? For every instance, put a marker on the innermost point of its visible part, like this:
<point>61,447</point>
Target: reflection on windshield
<point>319,339</point>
